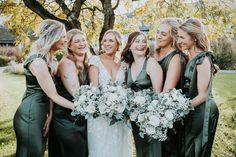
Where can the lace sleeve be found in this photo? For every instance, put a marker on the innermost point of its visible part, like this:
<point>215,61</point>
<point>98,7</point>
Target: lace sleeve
<point>94,61</point>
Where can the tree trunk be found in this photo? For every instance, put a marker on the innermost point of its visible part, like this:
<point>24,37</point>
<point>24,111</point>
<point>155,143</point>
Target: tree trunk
<point>109,18</point>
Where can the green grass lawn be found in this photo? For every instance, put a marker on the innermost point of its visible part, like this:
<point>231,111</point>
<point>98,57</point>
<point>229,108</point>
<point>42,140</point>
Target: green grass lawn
<point>12,89</point>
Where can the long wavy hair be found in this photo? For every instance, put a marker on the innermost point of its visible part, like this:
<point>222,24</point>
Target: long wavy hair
<point>49,32</point>
<point>126,54</point>
<point>195,29</point>
<point>70,35</point>
<point>173,23</point>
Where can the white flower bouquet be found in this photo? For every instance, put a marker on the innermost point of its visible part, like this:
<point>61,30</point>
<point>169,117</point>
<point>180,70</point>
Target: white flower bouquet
<point>112,102</point>
<point>156,116</point>
<point>86,101</point>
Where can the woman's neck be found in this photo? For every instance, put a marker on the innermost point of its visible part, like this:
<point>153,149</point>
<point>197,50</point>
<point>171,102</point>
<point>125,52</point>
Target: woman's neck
<point>164,52</point>
<point>109,56</point>
<point>79,58</point>
<point>193,52</point>
<point>138,58</point>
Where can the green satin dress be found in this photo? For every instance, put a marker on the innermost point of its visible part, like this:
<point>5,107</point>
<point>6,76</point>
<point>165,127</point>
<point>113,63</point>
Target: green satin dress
<point>68,134</point>
<point>200,124</point>
<point>30,116</point>
<point>144,147</point>
<point>172,145</point>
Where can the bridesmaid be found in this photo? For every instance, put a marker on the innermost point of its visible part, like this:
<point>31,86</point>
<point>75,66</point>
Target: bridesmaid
<point>69,131</point>
<point>32,113</point>
<point>143,73</point>
<point>172,62</point>
<point>200,125</point>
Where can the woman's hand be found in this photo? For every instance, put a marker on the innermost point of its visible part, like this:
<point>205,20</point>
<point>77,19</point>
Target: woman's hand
<point>47,125</point>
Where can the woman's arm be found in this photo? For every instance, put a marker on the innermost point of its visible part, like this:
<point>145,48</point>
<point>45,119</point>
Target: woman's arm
<point>93,75</point>
<point>69,75</point>
<point>203,79</point>
<point>173,74</point>
<point>156,75</point>
<point>39,69</point>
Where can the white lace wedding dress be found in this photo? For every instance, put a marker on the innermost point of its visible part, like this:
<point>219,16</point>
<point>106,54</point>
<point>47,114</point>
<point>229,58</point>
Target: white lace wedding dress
<point>105,140</point>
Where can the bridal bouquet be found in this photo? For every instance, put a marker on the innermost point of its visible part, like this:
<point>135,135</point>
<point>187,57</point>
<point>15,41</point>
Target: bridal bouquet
<point>156,116</point>
<point>86,101</point>
<point>112,102</point>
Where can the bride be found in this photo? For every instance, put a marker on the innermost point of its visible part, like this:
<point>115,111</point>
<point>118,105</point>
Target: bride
<point>105,140</point>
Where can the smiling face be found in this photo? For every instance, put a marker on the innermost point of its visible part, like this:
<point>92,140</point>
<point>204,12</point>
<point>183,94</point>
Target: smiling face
<point>185,41</point>
<point>60,44</point>
<point>78,44</point>
<point>163,36</point>
<point>139,45</point>
<point>110,44</point>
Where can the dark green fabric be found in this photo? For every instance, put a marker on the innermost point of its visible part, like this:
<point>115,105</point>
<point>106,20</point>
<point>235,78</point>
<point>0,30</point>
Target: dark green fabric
<point>68,134</point>
<point>142,81</point>
<point>165,62</point>
<point>171,146</point>
<point>30,117</point>
<point>200,124</point>
<point>144,148</point>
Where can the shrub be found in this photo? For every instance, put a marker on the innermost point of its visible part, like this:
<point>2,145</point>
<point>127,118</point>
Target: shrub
<point>225,53</point>
<point>4,60</point>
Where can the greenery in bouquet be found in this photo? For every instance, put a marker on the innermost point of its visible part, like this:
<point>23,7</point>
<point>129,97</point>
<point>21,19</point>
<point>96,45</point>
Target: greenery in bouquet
<point>86,101</point>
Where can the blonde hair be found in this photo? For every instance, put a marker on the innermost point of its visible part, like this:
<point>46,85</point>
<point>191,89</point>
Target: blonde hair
<point>194,28</point>
<point>117,37</point>
<point>70,35</point>
<point>173,23</point>
<point>49,32</point>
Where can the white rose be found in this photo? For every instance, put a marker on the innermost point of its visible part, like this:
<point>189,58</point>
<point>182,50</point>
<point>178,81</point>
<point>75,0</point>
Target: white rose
<point>164,121</point>
<point>90,109</point>
<point>154,102</point>
<point>150,108</point>
<point>76,104</point>
<point>82,98</point>
<point>120,108</point>
<point>102,108</point>
<point>169,116</point>
<point>133,115</point>
<point>112,97</point>
<point>150,130</point>
<point>154,121</point>
<point>139,100</point>
<point>141,118</point>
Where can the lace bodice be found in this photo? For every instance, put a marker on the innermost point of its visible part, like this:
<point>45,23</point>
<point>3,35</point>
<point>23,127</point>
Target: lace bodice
<point>104,76</point>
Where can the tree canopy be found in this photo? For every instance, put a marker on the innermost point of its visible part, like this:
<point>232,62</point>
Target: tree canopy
<point>94,17</point>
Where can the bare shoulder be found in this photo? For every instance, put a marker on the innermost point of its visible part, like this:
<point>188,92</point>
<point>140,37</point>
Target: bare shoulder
<point>38,66</point>
<point>176,58</point>
<point>205,64</point>
<point>152,62</point>
<point>65,62</point>
<point>38,63</point>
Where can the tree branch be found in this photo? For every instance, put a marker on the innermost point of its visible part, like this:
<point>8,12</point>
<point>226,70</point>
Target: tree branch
<point>76,9</point>
<point>117,4</point>
<point>36,7</point>
<point>64,7</point>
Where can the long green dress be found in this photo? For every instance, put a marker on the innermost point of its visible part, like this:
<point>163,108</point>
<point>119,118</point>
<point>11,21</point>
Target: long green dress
<point>144,147</point>
<point>30,116</point>
<point>172,144</point>
<point>68,134</point>
<point>200,125</point>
